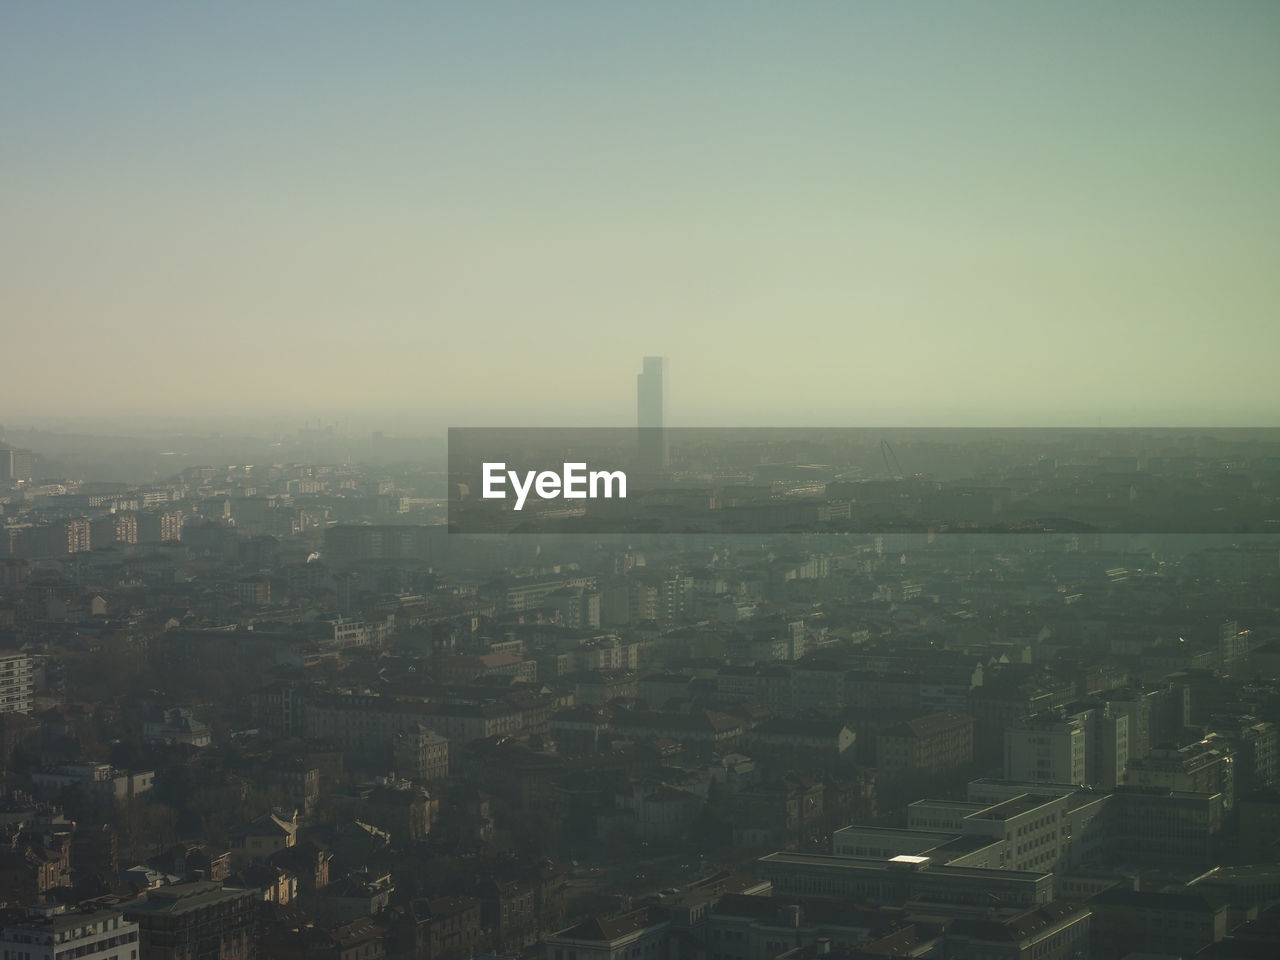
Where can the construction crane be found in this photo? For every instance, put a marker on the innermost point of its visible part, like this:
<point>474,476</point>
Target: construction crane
<point>895,471</point>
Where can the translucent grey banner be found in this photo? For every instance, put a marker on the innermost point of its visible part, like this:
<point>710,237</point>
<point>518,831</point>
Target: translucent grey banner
<point>863,480</point>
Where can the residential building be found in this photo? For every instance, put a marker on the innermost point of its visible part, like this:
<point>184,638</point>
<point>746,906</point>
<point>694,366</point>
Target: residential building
<point>308,861</point>
<point>177,725</point>
<point>659,812</point>
<point>101,781</point>
<point>816,741</point>
<point>365,893</point>
<point>1046,747</point>
<point>703,729</point>
<point>54,933</point>
<point>1150,922</point>
<point>259,839</point>
<point>361,722</point>
<point>403,809</point>
<point>254,591</point>
<point>784,814</point>
<point>1256,747</point>
<point>1206,766</point>
<point>16,686</point>
<point>442,928</point>
<point>421,754</point>
<point>578,607</point>
<point>934,744</point>
<point>639,935</point>
<point>31,867</point>
<point>358,939</point>
<point>202,920</point>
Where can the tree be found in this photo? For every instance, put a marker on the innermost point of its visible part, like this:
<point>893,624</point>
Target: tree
<point>75,801</point>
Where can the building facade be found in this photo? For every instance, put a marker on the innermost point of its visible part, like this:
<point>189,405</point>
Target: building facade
<point>100,935</point>
<point>201,920</point>
<point>1048,748</point>
<point>16,686</point>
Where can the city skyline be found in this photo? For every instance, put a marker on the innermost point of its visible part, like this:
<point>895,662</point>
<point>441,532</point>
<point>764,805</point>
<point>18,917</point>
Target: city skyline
<point>906,214</point>
<point>370,586</point>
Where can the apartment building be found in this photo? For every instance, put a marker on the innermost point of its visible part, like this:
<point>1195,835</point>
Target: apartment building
<point>17,689</point>
<point>52,932</point>
<point>202,919</point>
<point>933,744</point>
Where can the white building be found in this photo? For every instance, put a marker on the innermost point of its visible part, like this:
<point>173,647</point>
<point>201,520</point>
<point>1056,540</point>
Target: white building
<point>54,935</point>
<point>1046,748</point>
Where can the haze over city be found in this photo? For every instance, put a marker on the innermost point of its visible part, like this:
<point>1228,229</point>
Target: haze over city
<point>409,216</point>
<point>639,481</point>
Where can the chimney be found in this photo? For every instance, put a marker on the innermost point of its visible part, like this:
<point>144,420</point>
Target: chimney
<point>822,946</point>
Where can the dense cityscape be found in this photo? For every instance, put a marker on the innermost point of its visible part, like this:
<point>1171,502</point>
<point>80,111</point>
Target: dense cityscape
<point>278,710</point>
<point>731,480</point>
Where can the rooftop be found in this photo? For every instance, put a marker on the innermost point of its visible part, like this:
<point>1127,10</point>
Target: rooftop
<point>1021,926</point>
<point>788,858</point>
<point>608,929</point>
<point>183,898</point>
<point>1014,807</point>
<point>61,922</point>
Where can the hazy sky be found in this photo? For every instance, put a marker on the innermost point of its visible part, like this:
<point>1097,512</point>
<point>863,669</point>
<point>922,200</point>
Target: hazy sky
<point>486,213</point>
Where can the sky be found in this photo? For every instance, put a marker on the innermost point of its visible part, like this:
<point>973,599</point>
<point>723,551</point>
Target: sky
<point>409,215</point>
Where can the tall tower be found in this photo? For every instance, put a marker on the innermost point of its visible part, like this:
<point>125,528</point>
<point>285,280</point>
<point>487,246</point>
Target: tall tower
<point>651,404</point>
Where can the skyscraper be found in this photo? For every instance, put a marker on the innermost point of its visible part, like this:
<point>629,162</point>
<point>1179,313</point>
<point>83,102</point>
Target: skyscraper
<point>651,403</point>
<point>15,463</point>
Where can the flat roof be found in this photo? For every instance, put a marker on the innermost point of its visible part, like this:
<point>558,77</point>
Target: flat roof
<point>1028,785</point>
<point>787,857</point>
<point>1013,807</point>
<point>184,897</point>
<point>61,922</point>
<point>957,804</point>
<point>890,832</point>
<point>967,843</point>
